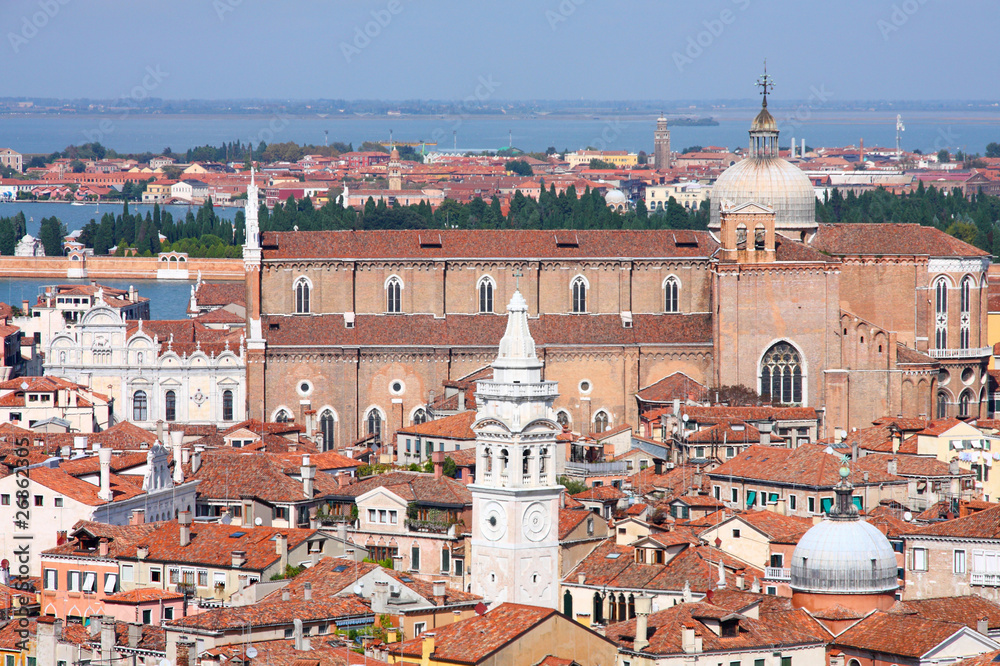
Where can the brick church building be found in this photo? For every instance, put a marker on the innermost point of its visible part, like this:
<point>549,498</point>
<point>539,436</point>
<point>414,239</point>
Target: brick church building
<point>354,331</point>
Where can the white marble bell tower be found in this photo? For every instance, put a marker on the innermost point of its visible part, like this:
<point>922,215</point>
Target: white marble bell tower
<point>515,499</point>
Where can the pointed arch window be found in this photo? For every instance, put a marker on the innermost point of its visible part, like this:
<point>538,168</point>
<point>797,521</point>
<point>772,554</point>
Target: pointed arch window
<point>419,416</point>
<point>170,404</point>
<point>375,424</point>
<point>941,296</point>
<point>394,295</point>
<point>781,375</point>
<point>579,295</point>
<point>227,405</point>
<point>302,289</point>
<point>562,418</point>
<point>965,321</point>
<point>326,422</point>
<point>140,406</point>
<point>966,293</point>
<point>601,421</point>
<point>671,294</point>
<point>282,416</point>
<point>942,405</point>
<point>964,403</point>
<point>485,295</point>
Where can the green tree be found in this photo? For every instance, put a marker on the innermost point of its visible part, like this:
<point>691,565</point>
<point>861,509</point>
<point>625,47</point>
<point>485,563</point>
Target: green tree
<point>993,149</point>
<point>77,166</point>
<point>601,164</point>
<point>520,167</point>
<point>51,234</point>
<point>572,486</point>
<point>943,156</point>
<point>449,468</point>
<point>7,240</point>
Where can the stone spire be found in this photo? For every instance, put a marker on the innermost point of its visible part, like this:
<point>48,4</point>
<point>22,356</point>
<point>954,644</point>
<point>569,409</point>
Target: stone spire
<point>252,225</point>
<point>517,361</point>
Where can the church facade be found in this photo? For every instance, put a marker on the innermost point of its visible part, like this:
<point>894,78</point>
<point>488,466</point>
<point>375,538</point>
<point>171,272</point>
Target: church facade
<point>858,321</point>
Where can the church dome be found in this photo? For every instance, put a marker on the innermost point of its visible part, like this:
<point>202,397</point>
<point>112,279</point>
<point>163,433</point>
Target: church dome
<point>615,197</point>
<point>844,554</point>
<point>764,121</point>
<point>771,181</point>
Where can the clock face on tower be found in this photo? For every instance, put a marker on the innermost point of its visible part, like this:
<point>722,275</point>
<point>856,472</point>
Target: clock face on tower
<point>494,521</point>
<point>535,522</point>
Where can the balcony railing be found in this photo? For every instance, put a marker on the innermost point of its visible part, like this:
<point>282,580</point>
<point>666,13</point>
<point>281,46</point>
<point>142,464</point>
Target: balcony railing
<point>777,573</point>
<point>972,352</point>
<point>595,468</point>
<point>985,579</point>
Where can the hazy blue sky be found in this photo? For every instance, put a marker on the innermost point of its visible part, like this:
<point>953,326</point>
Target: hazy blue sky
<point>521,49</point>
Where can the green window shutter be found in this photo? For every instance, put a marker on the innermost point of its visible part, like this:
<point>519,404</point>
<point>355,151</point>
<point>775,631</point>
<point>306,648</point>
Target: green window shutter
<point>826,504</point>
<point>751,497</point>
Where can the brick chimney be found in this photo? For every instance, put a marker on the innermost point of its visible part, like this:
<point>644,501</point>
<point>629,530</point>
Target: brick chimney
<point>60,537</point>
<point>281,548</point>
<point>440,592</point>
<point>107,638</point>
<point>239,558</point>
<point>308,472</point>
<point>138,517</point>
<point>307,591</point>
<point>104,547</point>
<point>134,634</point>
<point>643,607</point>
<point>437,457</point>
<point>184,522</point>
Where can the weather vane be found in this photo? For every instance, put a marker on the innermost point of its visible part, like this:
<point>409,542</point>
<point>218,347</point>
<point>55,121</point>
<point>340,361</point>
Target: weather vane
<point>765,83</point>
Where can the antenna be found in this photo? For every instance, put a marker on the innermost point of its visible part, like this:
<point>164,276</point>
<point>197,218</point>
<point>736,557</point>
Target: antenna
<point>899,129</point>
<point>454,136</point>
<point>765,83</point>
<point>326,137</point>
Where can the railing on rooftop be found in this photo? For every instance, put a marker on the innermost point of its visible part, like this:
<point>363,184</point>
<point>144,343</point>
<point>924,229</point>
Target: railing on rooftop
<point>595,468</point>
<point>972,352</point>
<point>777,573</point>
<point>985,579</point>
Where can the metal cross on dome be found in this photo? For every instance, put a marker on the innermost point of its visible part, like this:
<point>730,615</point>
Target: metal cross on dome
<point>765,83</point>
<point>517,277</point>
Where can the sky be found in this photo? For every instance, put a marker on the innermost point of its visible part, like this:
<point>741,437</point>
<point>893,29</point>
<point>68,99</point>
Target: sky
<point>499,49</point>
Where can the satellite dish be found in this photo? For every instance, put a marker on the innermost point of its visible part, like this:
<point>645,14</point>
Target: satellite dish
<point>907,516</point>
<point>226,519</point>
<point>684,418</point>
<point>258,521</point>
<point>252,652</point>
<point>24,385</point>
<point>357,590</point>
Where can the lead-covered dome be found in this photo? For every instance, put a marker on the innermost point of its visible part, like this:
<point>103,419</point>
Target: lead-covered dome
<point>844,554</point>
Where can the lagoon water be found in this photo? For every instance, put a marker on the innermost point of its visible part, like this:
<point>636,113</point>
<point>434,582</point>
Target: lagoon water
<point>926,130</point>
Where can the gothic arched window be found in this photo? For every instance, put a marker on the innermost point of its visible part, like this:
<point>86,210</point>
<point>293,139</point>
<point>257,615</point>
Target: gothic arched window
<point>671,293</point>
<point>964,401</point>
<point>140,406</point>
<point>302,296</point>
<point>282,416</point>
<point>965,321</point>
<point>485,295</point>
<point>227,405</point>
<point>579,295</point>
<point>941,296</point>
<point>375,424</point>
<point>942,405</point>
<point>941,314</point>
<point>562,418</point>
<point>170,403</point>
<point>326,422</point>
<point>781,374</point>
<point>526,462</point>
<point>419,416</point>
<point>394,295</point>
<point>601,421</point>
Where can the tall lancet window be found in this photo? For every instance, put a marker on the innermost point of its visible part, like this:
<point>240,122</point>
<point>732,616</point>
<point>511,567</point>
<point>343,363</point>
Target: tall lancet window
<point>781,375</point>
<point>579,295</point>
<point>485,295</point>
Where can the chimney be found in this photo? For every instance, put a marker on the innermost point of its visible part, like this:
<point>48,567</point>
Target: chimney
<point>281,548</point>
<point>297,633</point>
<point>186,652</point>
<point>138,517</point>
<point>239,558</point>
<point>60,537</point>
<point>184,522</point>
<point>643,607</point>
<point>176,441</point>
<point>342,532</point>
<point>765,433</point>
<point>65,452</point>
<point>107,639</point>
<point>185,456</point>
<point>134,634</point>
<point>802,151</point>
<point>461,399</point>
<point>581,578</point>
<point>437,457</point>
<point>307,591</point>
<point>427,647</point>
<point>983,626</point>
<point>49,631</point>
<point>80,443</point>
<point>740,581</point>
<point>104,455</point>
<point>953,467</point>
<point>103,547</point>
<point>440,593</point>
<point>854,452</point>
<point>159,431</point>
<point>696,479</point>
<point>893,467</point>
<point>141,552</point>
<point>688,638</point>
<point>308,477</point>
<point>285,594</point>
<point>196,459</point>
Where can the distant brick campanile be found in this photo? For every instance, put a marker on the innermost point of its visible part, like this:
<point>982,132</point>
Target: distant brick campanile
<point>661,144</point>
<point>515,498</point>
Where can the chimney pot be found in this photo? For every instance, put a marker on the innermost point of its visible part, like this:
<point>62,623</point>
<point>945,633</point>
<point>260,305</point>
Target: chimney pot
<point>307,591</point>
<point>104,455</point>
<point>285,594</point>
<point>184,524</point>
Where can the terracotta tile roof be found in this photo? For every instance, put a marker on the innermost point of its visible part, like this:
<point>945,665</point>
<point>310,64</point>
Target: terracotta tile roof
<point>716,413</point>
<point>890,239</point>
<point>736,432</point>
<point>896,634</point>
<point>838,612</point>
<point>220,316</point>
<point>124,436</point>
<point>122,488</point>
<point>940,426</point>
<point>470,641</point>
<point>967,610</point>
<point>807,465</point>
<point>235,475</point>
<point>671,481</point>
<point>324,651</point>
<point>91,464</point>
<point>456,426</point>
<point>906,465</point>
<point>141,595</point>
<point>781,529</point>
<point>463,457</point>
<point>324,461</point>
<point>413,486</point>
<point>678,385</point>
<point>122,539</point>
<point>455,243</point>
<point>555,661</point>
<point>980,525</point>
<point>907,356</point>
<point>600,494</point>
<point>614,566</point>
<point>330,578</point>
<point>774,629</point>
<point>636,509</point>
<point>485,330</point>
<point>570,519</point>
<point>219,294</point>
<point>699,500</point>
<point>274,613</point>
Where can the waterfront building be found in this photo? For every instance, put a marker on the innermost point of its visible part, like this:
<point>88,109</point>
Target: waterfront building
<point>619,158</point>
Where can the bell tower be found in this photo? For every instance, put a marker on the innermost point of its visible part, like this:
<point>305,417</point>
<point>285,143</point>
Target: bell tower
<point>255,334</point>
<point>661,144</point>
<point>395,171</point>
<point>515,498</point>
